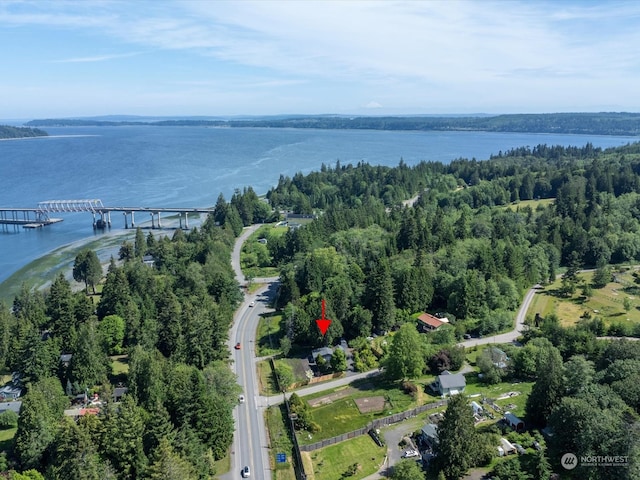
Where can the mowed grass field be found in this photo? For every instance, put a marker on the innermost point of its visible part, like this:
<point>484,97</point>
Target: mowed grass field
<point>606,303</point>
<point>342,415</point>
<point>330,463</point>
<point>530,203</point>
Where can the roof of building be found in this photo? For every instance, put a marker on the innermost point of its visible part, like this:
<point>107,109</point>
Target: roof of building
<point>512,419</point>
<point>430,320</point>
<point>324,351</point>
<point>450,380</point>
<point>13,406</point>
<point>10,390</point>
<point>119,391</point>
<point>507,445</point>
<point>430,430</point>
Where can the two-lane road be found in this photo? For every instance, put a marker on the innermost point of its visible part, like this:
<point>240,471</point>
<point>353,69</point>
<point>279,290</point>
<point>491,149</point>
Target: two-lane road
<point>250,447</point>
<point>250,441</point>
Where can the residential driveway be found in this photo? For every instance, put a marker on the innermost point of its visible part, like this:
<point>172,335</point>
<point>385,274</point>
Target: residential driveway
<point>392,436</point>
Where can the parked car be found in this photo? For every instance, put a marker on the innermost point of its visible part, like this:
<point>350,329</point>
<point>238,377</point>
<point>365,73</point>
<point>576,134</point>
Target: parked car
<point>237,347</point>
<point>519,448</point>
<point>536,445</point>
<point>246,472</point>
<point>252,304</point>
<point>241,398</point>
<point>410,453</point>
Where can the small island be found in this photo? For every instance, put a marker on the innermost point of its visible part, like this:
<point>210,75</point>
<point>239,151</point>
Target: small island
<point>7,131</point>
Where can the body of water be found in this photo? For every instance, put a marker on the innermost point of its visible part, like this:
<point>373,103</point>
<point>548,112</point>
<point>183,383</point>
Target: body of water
<point>190,166</point>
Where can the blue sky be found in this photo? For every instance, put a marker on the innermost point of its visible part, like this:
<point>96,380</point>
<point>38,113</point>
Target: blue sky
<point>81,58</point>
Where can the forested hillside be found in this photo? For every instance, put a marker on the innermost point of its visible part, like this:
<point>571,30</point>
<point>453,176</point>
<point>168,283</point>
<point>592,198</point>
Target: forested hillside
<point>477,235</point>
<point>20,132</point>
<point>377,262</point>
<point>572,123</point>
<point>172,318</point>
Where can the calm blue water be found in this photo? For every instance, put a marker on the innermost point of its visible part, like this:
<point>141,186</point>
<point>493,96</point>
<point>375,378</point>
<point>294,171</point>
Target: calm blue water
<point>190,166</point>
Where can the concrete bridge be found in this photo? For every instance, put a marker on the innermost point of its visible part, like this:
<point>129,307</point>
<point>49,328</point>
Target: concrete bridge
<point>40,215</point>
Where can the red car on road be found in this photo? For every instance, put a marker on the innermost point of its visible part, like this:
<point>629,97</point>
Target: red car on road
<point>237,347</point>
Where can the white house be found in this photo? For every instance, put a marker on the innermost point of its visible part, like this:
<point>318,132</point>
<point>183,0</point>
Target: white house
<point>449,383</point>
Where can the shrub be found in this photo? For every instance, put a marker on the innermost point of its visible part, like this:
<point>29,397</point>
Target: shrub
<point>410,388</point>
<point>8,419</point>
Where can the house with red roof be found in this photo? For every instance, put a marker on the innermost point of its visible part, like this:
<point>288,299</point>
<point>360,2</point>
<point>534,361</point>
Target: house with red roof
<point>428,322</point>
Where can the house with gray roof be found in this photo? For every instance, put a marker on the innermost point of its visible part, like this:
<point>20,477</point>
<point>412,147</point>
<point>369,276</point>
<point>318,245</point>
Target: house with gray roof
<point>429,434</point>
<point>449,383</point>
<point>10,391</point>
<point>498,357</point>
<point>13,406</point>
<point>324,352</point>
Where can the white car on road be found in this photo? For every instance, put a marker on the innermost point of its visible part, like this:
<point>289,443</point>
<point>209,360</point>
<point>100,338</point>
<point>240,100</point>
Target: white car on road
<point>410,453</point>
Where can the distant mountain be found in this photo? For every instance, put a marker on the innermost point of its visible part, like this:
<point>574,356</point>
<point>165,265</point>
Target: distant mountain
<point>7,131</point>
<point>570,123</point>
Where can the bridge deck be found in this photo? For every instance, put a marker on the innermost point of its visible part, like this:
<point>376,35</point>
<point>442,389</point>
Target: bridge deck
<point>39,216</point>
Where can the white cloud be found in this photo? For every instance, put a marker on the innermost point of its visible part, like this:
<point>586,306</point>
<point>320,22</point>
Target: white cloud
<point>97,58</point>
<point>372,104</point>
<point>409,54</point>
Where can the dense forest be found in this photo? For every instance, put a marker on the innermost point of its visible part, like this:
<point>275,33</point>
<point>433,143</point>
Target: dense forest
<point>172,320</point>
<point>20,132</point>
<point>459,250</point>
<point>569,123</point>
<point>467,247</point>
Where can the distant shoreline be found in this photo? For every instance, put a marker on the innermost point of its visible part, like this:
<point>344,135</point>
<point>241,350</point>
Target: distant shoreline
<point>39,273</point>
<point>604,123</point>
<point>46,136</point>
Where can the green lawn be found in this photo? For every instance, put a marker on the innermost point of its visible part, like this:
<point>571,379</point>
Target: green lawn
<point>6,438</point>
<point>265,376</point>
<point>119,368</point>
<point>342,415</point>
<point>331,462</point>
<point>271,329</point>
<point>279,442</point>
<point>530,203</point>
<point>606,303</point>
<point>223,465</point>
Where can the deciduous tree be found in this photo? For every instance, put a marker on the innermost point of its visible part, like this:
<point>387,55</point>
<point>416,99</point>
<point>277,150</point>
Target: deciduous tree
<point>405,359</point>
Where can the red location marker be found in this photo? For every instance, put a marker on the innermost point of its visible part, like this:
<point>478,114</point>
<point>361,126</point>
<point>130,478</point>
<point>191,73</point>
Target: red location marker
<point>323,323</point>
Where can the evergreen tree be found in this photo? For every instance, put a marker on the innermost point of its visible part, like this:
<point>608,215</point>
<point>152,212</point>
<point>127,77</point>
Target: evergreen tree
<point>60,309</point>
<point>89,363</point>
<point>121,438</point>
<point>76,456</point>
<point>548,389</point>
<point>457,439</point>
<point>115,294</point>
<point>87,269</point>
<point>167,464</point>
<point>40,414</point>
<point>379,295</point>
<point>140,244</point>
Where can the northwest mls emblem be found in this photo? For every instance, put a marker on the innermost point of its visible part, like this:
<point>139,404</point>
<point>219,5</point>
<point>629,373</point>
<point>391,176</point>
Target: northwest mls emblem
<point>569,461</point>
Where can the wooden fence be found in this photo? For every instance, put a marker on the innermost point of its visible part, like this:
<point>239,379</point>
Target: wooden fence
<point>374,424</point>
